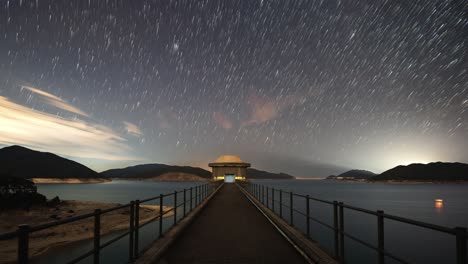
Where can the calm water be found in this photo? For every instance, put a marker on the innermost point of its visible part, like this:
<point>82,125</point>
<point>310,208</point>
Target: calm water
<point>112,192</point>
<point>415,201</point>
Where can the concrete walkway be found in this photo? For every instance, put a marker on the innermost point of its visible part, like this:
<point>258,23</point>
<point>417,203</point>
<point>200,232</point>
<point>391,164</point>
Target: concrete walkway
<point>231,230</point>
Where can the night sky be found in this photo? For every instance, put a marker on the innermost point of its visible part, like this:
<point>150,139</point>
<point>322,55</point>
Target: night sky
<point>304,87</point>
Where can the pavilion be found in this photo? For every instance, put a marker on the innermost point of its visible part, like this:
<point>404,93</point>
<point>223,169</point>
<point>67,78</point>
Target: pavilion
<point>229,168</point>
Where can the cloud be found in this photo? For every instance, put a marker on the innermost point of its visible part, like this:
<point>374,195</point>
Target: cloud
<point>133,129</point>
<point>264,109</point>
<point>55,101</point>
<point>43,131</point>
<point>222,120</point>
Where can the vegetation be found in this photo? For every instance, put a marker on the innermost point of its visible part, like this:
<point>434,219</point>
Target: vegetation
<point>18,193</point>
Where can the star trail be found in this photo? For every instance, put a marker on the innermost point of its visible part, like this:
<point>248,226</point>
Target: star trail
<point>304,87</point>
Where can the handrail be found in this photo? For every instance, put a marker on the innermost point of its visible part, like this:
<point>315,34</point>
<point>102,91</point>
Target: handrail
<point>198,193</point>
<point>262,194</point>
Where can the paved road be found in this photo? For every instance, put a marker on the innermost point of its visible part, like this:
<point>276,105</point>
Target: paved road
<point>231,230</point>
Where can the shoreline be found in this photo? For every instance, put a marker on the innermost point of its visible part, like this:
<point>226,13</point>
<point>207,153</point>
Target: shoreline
<point>69,180</point>
<point>45,240</point>
<point>395,182</point>
<point>417,182</point>
<point>159,180</point>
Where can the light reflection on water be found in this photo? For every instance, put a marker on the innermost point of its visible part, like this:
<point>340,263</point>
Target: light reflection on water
<point>439,205</point>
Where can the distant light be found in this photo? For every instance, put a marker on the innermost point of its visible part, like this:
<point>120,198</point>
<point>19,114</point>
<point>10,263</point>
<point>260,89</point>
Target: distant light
<point>439,203</point>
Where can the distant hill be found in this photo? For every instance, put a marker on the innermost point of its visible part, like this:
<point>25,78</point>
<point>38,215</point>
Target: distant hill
<point>21,162</point>
<point>168,172</point>
<point>353,174</point>
<point>154,171</point>
<point>438,171</point>
<point>259,174</point>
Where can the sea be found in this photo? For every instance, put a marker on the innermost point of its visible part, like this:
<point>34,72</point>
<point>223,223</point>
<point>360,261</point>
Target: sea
<point>410,243</point>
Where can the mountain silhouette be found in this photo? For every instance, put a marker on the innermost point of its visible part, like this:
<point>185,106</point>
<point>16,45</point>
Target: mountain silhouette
<point>146,171</point>
<point>21,162</point>
<point>355,174</point>
<point>153,171</point>
<point>259,174</point>
<point>437,171</point>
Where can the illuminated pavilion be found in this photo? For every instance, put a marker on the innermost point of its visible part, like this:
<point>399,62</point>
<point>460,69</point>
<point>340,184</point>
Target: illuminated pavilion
<point>229,168</point>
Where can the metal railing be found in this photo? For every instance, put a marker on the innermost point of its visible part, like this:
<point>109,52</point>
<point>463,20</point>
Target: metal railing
<point>192,197</point>
<point>266,196</point>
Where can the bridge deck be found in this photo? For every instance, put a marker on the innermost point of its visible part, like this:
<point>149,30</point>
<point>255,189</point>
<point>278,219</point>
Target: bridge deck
<point>231,230</point>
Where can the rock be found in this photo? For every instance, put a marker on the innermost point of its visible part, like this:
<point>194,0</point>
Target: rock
<point>53,202</point>
<point>55,217</point>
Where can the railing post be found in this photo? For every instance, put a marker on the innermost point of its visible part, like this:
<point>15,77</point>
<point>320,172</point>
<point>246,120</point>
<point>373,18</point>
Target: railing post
<point>185,200</point>
<point>191,198</point>
<point>23,244</point>
<point>263,194</point>
<point>196,196</point>
<point>175,207</point>
<point>461,235</point>
<point>161,204</point>
<point>137,227</point>
<point>291,204</point>
<point>273,199</point>
<point>281,203</point>
<point>97,235</point>
<point>267,198</point>
<point>335,229</point>
<point>308,215</point>
<point>380,236</point>
<point>132,229</point>
<point>341,217</point>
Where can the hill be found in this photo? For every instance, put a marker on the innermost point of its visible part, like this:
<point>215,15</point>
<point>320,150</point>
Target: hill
<point>162,172</point>
<point>21,162</point>
<point>353,175</point>
<point>438,171</point>
<point>159,172</point>
<point>259,174</point>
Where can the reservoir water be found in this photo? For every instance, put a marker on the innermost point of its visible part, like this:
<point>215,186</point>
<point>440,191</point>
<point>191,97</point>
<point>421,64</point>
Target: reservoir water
<point>414,201</point>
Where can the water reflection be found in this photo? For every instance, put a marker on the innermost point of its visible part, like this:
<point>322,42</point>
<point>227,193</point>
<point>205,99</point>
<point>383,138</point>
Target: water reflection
<point>439,205</point>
